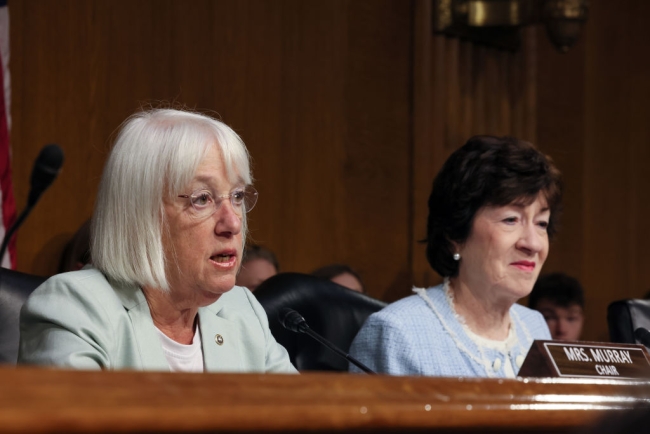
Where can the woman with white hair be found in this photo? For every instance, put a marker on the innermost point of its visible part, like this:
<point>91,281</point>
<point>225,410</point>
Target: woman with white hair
<point>166,244</point>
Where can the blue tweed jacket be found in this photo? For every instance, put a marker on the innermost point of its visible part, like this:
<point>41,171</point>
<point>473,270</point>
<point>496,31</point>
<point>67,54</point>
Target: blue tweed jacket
<point>409,338</point>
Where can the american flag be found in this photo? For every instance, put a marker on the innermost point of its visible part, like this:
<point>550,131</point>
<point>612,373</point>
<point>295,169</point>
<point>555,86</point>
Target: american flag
<point>8,208</point>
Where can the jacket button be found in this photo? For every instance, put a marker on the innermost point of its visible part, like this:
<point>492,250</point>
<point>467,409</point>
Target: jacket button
<point>497,364</point>
<point>520,360</point>
<point>218,339</point>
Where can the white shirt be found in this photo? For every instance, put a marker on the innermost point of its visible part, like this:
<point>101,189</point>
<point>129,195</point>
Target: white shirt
<point>183,358</point>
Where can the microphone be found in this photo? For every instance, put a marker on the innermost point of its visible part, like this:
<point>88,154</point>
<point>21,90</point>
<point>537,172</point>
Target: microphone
<point>46,168</point>
<point>643,336</point>
<point>293,321</point>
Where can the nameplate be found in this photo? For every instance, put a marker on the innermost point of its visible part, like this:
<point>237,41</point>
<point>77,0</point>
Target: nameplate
<point>586,360</point>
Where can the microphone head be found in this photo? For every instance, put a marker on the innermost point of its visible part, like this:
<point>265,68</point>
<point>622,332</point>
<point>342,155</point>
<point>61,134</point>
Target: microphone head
<point>292,320</point>
<point>643,335</point>
<point>46,168</point>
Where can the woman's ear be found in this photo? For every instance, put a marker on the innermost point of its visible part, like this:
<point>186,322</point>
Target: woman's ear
<point>455,247</point>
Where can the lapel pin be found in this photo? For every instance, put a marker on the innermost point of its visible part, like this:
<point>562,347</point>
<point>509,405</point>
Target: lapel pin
<point>218,339</point>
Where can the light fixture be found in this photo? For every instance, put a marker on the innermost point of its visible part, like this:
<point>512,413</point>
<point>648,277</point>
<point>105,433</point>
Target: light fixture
<point>497,22</point>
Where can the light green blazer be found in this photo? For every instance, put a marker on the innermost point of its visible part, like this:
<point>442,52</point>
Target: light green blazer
<point>80,320</point>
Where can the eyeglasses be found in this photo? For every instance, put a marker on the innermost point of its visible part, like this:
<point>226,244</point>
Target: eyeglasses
<point>204,203</point>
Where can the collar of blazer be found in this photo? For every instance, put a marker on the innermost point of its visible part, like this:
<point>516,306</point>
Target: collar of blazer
<point>223,357</point>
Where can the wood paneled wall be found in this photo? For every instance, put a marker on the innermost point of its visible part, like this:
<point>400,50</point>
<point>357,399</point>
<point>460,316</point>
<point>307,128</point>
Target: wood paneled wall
<point>319,91</point>
<point>460,90</point>
<point>349,108</point>
<point>588,109</point>
<point>593,118</point>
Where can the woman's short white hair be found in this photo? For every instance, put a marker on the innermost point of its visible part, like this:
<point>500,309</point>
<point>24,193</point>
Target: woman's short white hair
<point>157,153</point>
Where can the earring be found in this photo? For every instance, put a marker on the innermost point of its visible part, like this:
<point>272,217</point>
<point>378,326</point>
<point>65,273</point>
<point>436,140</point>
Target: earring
<point>456,256</point>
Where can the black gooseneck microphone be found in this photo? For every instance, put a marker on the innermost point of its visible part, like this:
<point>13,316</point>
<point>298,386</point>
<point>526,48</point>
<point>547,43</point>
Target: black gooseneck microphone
<point>46,168</point>
<point>643,335</point>
<point>292,320</point>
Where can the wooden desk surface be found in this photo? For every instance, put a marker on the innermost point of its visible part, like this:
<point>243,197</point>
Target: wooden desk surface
<point>44,400</point>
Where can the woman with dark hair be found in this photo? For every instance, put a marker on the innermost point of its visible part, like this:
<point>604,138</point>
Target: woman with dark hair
<point>493,208</point>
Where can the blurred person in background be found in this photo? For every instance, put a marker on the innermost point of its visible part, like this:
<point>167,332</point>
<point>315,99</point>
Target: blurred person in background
<point>258,264</point>
<point>342,275</point>
<point>560,299</point>
<point>77,252</point>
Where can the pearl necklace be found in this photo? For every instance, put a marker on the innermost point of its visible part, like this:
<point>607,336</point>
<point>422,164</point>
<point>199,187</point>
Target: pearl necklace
<point>481,360</point>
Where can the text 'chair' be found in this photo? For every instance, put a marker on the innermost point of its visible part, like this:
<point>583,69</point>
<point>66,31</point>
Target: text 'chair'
<point>333,311</point>
<point>624,317</point>
<point>15,287</point>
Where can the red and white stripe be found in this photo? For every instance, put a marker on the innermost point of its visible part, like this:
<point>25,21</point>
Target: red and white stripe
<point>8,208</point>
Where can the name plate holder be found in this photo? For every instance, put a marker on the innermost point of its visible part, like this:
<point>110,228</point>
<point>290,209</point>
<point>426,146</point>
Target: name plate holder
<point>586,360</point>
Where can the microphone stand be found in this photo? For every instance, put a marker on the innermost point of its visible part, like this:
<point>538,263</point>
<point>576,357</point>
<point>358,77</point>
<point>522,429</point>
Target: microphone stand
<point>12,230</point>
<point>293,321</point>
<point>45,170</point>
<point>337,350</point>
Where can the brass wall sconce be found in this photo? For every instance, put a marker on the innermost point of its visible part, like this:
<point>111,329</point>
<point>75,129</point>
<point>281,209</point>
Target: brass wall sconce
<point>497,22</point>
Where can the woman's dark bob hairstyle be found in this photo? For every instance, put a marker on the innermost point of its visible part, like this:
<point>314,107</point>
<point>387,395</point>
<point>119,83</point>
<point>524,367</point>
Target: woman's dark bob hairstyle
<point>486,171</point>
